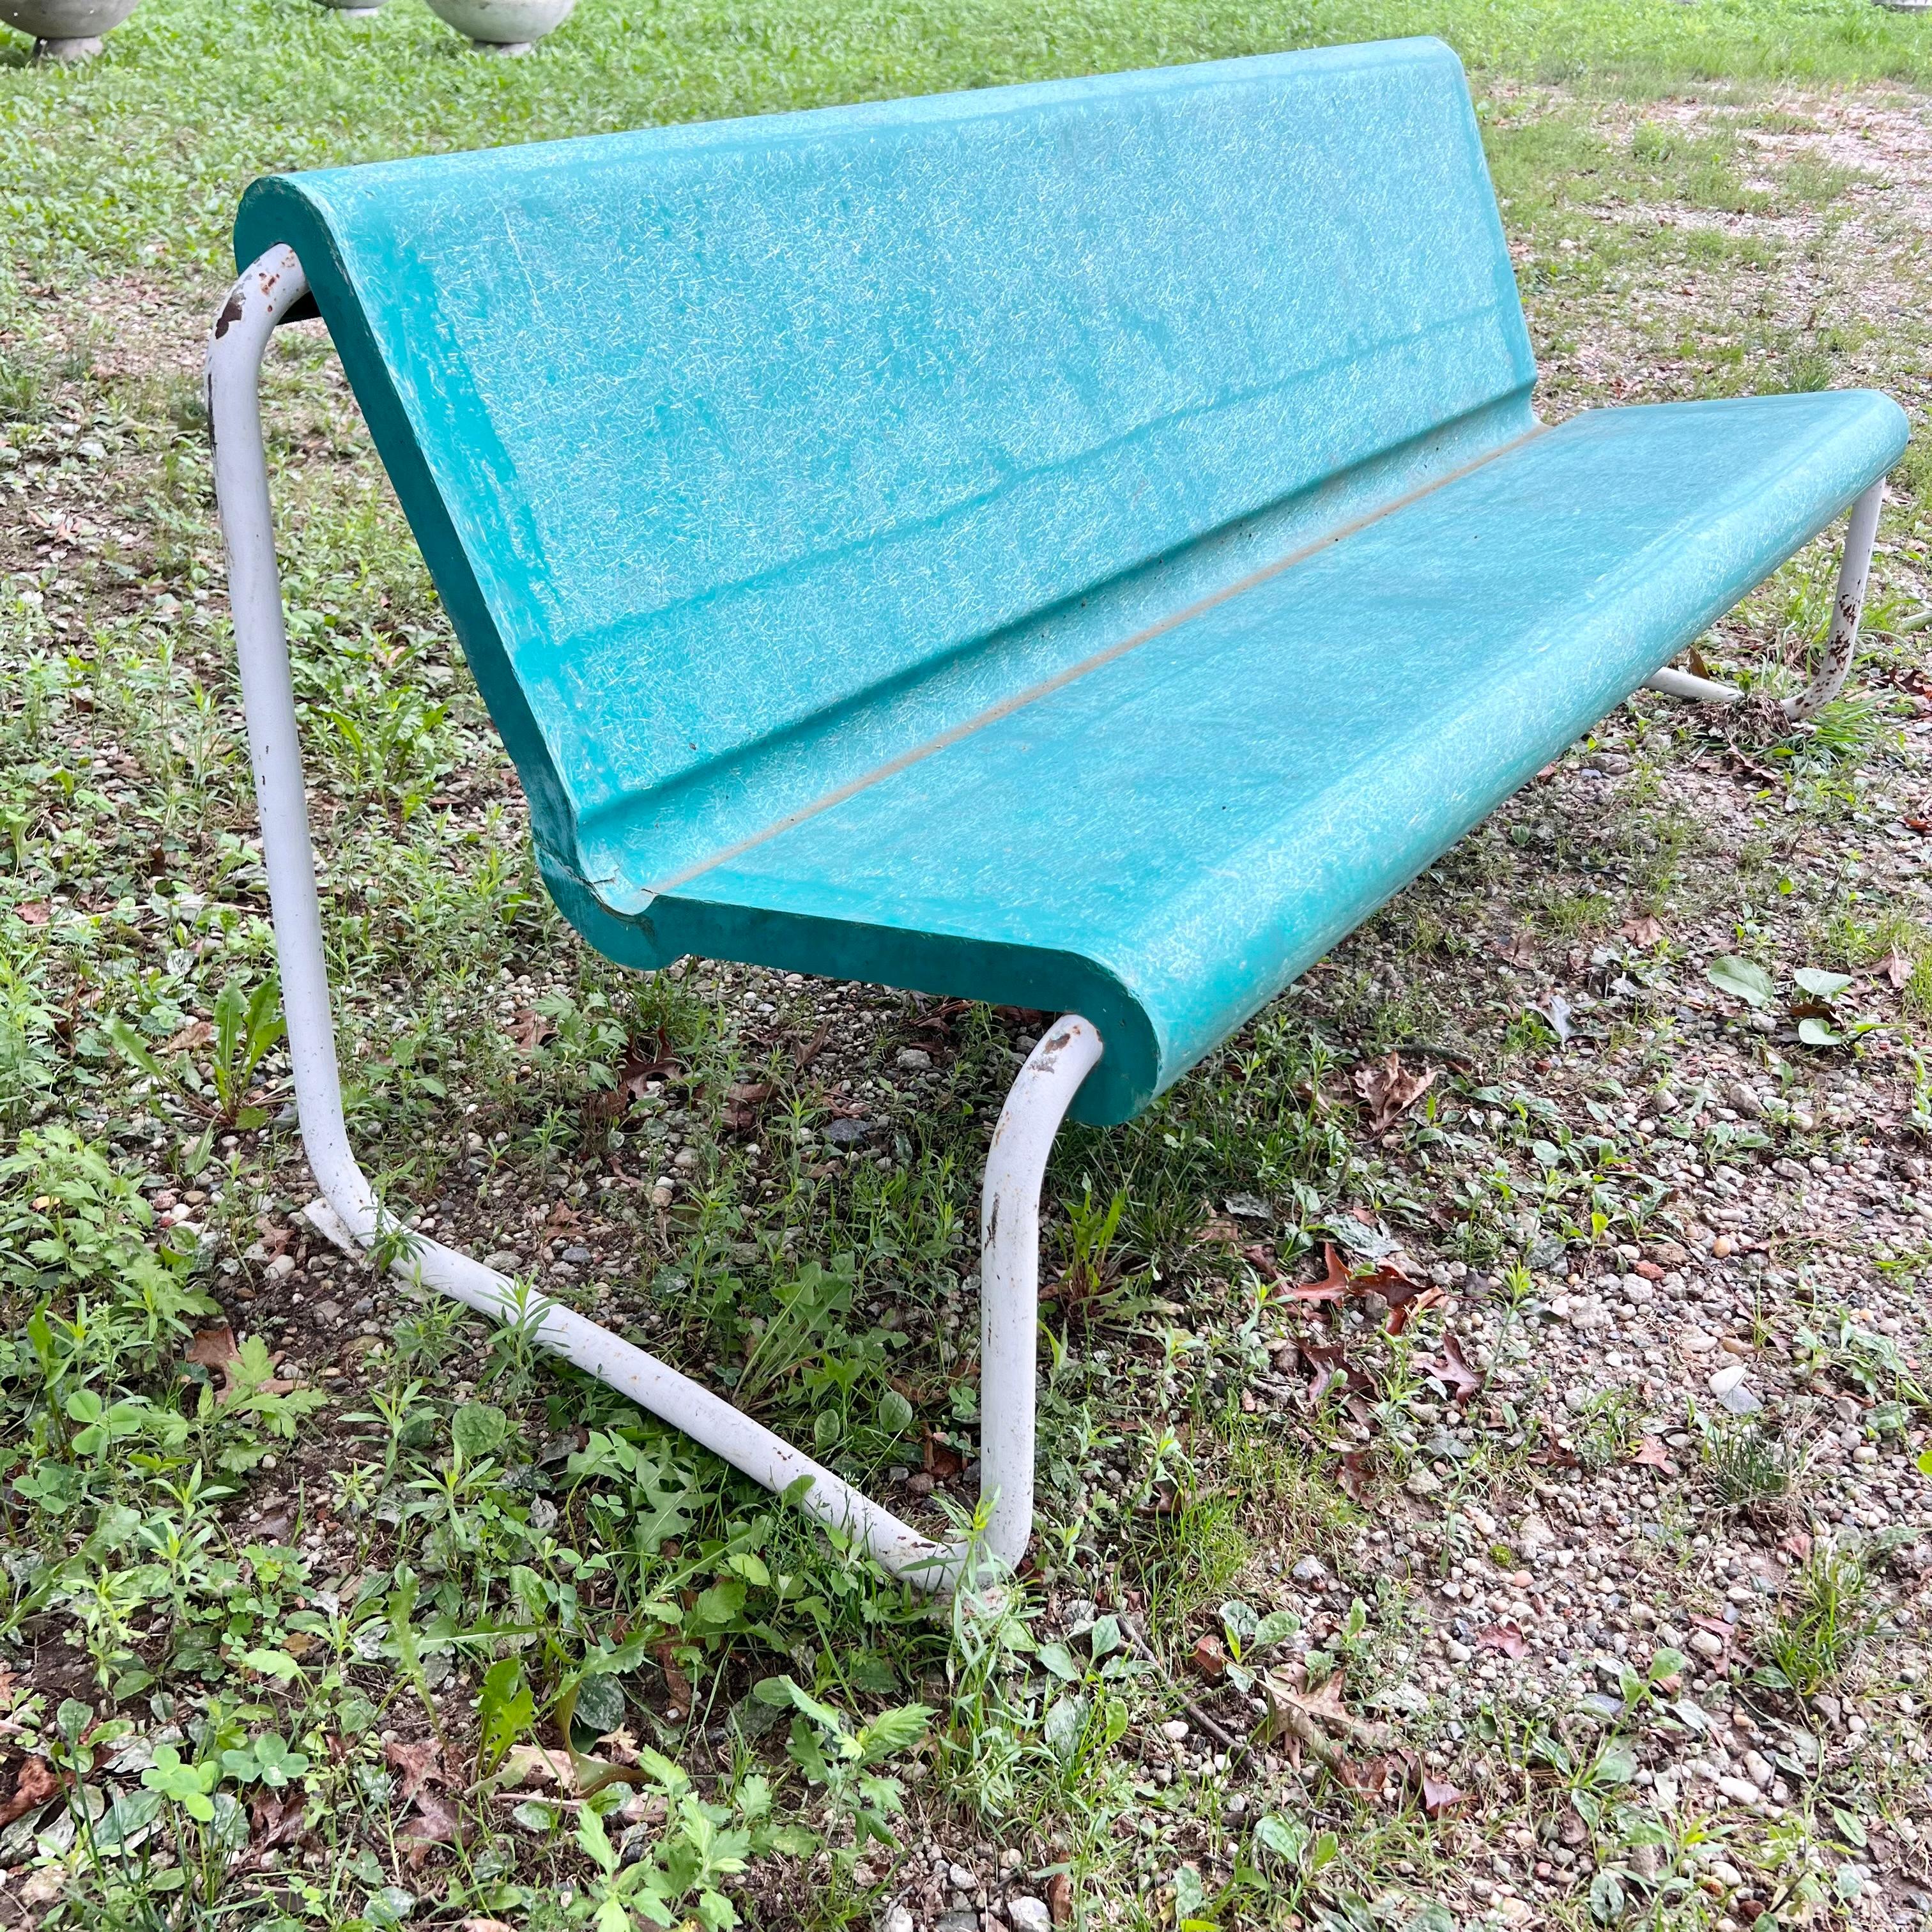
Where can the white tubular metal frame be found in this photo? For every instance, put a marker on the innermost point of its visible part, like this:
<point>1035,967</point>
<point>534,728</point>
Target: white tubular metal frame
<point>1847,607</point>
<point>349,1212</point>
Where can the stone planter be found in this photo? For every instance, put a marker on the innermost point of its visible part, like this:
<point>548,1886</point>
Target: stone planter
<point>66,30</point>
<point>353,10</point>
<point>503,26</point>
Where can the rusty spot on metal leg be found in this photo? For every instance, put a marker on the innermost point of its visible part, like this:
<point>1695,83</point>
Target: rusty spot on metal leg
<point>231,313</point>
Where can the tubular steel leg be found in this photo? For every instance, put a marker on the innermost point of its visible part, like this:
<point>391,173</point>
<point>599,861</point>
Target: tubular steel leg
<point>349,1212</point>
<point>1847,605</point>
<point>1682,684</point>
<point>1068,1051</point>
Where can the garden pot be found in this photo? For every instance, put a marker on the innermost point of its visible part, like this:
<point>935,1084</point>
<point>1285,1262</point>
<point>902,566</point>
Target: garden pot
<point>66,30</point>
<point>503,26</point>
<point>353,10</point>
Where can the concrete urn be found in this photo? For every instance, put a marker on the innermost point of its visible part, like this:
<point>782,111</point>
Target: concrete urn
<point>66,30</point>
<point>504,26</point>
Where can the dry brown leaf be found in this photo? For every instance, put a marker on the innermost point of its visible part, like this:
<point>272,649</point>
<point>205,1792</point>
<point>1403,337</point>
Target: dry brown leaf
<point>1644,932</point>
<point>530,1029</point>
<point>1332,1366</point>
<point>33,1783</point>
<point>1896,970</point>
<point>418,1763</point>
<point>1439,1796</point>
<point>214,1348</point>
<point>277,1820</point>
<point>1209,1659</point>
<point>435,1822</point>
<point>1294,1710</point>
<point>535,1764</point>
<point>1388,1090</point>
<point>1504,1637</point>
<point>1451,1370</point>
<point>1218,1229</point>
<point>743,1101</point>
<point>1370,1778</point>
<point>677,1686</point>
<point>1060,1898</point>
<point>33,912</point>
<point>1652,1454</point>
<point>1402,1292</point>
<point>1333,1285</point>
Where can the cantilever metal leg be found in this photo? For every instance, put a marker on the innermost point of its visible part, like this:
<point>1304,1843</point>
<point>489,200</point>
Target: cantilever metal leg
<point>349,1212</point>
<point>1848,604</point>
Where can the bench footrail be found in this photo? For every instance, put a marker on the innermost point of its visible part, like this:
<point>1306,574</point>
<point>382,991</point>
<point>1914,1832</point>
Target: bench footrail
<point>1847,606</point>
<point>349,1213</point>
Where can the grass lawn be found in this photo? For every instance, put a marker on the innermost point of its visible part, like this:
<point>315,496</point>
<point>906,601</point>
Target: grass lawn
<point>327,1606</point>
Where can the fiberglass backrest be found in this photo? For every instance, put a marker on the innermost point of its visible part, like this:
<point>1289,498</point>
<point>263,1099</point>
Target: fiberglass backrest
<point>708,430</point>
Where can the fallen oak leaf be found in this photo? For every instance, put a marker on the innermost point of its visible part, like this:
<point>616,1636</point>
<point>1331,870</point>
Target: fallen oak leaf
<point>1504,1637</point>
<point>1452,1371</point>
<point>743,1100</point>
<point>33,1784</point>
<point>677,1686</point>
<point>277,1820</point>
<point>419,1764</point>
<point>216,1349</point>
<point>527,1764</point>
<point>1388,1090</point>
<point>1208,1658</point>
<point>1369,1778</point>
<point>1060,1898</point>
<point>1644,932</point>
<point>1897,970</point>
<point>530,1029</point>
<point>1439,1796</point>
<point>1718,1628</point>
<point>1652,1454</point>
<point>1286,1691</point>
<point>212,1348</point>
<point>1402,1292</point>
<point>1334,1286</point>
<point>435,1822</point>
<point>1331,1366</point>
<point>1218,1230</point>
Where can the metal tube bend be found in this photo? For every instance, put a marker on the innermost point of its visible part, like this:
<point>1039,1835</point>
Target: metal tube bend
<point>349,1213</point>
<point>1848,601</point>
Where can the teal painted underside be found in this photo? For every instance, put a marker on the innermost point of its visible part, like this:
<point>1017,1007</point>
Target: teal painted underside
<point>1082,545</point>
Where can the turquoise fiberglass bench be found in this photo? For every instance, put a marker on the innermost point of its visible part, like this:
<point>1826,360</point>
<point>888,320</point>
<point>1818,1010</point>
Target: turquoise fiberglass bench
<point>1083,545</point>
